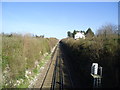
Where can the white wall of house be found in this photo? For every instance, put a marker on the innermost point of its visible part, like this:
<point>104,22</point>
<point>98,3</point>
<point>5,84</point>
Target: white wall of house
<point>79,35</point>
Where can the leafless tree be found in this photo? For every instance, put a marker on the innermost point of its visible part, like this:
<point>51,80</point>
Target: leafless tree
<point>107,30</point>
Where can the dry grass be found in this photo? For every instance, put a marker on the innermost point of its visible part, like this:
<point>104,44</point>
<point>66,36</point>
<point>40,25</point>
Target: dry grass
<point>19,53</point>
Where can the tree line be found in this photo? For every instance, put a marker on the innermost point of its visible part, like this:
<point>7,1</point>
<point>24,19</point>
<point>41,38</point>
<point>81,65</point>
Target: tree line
<point>88,33</point>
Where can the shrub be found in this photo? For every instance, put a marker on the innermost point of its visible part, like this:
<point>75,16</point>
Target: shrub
<point>102,50</point>
<point>19,53</point>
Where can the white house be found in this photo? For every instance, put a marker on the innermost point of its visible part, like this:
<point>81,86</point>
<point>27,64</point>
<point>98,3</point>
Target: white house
<point>79,35</point>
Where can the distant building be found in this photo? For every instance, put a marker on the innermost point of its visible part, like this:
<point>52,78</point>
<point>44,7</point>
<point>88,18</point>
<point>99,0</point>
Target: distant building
<point>79,35</point>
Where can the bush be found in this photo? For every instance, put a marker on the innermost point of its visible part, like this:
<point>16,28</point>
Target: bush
<point>19,53</point>
<point>104,51</point>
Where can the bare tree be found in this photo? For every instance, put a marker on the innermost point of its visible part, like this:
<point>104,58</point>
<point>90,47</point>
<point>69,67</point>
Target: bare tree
<point>107,30</point>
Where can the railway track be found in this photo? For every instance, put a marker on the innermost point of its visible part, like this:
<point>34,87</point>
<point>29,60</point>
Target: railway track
<point>57,80</point>
<point>46,83</point>
<point>57,76</point>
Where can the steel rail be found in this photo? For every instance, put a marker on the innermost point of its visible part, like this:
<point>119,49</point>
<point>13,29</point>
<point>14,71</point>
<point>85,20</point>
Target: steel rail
<point>69,74</point>
<point>61,75</point>
<point>53,85</point>
<point>57,75</point>
<point>48,68</point>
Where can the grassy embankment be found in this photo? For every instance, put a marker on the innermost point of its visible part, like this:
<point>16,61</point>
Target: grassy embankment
<point>104,51</point>
<point>22,57</point>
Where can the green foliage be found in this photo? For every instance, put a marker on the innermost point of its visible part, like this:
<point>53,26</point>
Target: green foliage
<point>104,51</point>
<point>70,34</point>
<point>74,32</point>
<point>23,85</point>
<point>35,70</point>
<point>4,61</point>
<point>89,33</point>
<point>19,53</point>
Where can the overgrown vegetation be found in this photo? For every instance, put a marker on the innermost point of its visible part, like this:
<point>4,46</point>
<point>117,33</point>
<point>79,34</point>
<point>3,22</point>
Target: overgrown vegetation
<point>20,56</point>
<point>104,48</point>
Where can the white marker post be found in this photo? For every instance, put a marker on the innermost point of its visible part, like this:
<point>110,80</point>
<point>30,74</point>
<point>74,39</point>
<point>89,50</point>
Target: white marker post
<point>96,73</point>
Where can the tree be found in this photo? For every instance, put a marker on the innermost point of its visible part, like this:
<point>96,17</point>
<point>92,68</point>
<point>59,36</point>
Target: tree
<point>89,33</point>
<point>69,34</point>
<point>107,30</point>
<point>83,32</point>
<point>74,32</point>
